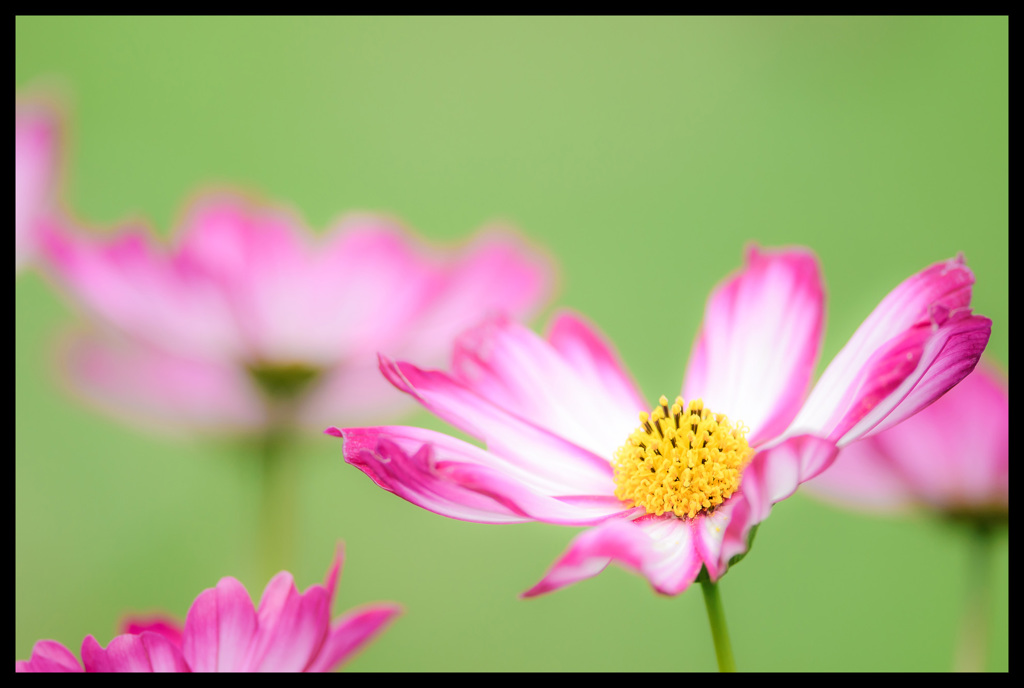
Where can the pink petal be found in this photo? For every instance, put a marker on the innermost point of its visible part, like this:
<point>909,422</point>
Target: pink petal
<point>760,341</point>
<point>370,287</point>
<point>164,625</point>
<point>914,371</point>
<point>334,573</point>
<point>853,379</point>
<point>351,633</point>
<point>865,477</point>
<point>456,479</point>
<point>138,289</point>
<point>572,385</point>
<point>544,459</point>
<point>147,652</point>
<point>219,628</point>
<point>661,548</point>
<point>952,456</point>
<point>36,143</point>
<point>48,656</point>
<point>159,389</point>
<point>291,626</point>
<point>255,256</point>
<point>354,392</point>
<point>375,287</point>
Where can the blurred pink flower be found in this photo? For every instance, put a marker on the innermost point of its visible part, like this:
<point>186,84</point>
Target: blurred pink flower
<point>249,321</point>
<point>290,631</point>
<point>36,142</point>
<point>952,458</point>
<point>564,445</point>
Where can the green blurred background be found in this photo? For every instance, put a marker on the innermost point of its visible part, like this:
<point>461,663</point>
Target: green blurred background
<point>643,154</point>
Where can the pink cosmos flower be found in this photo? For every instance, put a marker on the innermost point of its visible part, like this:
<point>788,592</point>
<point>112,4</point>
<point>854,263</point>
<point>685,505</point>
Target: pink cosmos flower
<point>249,321</point>
<point>290,631</point>
<point>36,139</point>
<point>681,488</point>
<point>952,458</point>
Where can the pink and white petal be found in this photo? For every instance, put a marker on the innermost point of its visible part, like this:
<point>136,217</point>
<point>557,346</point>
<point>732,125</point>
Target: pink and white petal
<point>147,653</point>
<point>938,356</point>
<point>411,476</point>
<point>771,476</point>
<point>456,479</point>
<point>590,553</point>
<point>930,294</point>
<point>572,385</point>
<point>517,498</point>
<point>36,144</point>
<point>161,390</point>
<point>674,560</point>
<point>219,628</point>
<point>48,656</point>
<point>760,341</point>
<point>585,349</point>
<point>164,625</point>
<point>350,633</point>
<point>498,273</point>
<point>719,543</point>
<point>291,626</point>
<point>660,548</point>
<point>710,531</point>
<point>538,457</point>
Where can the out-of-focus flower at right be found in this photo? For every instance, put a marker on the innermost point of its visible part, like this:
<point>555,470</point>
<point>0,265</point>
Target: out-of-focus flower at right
<point>290,631</point>
<point>36,142</point>
<point>250,322</point>
<point>951,458</point>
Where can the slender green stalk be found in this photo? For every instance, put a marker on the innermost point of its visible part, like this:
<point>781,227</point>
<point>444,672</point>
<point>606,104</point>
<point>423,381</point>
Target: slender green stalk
<point>278,504</point>
<point>284,387</point>
<point>972,648</point>
<point>719,632</point>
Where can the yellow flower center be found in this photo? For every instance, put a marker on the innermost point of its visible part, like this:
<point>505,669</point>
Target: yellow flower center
<point>683,461</point>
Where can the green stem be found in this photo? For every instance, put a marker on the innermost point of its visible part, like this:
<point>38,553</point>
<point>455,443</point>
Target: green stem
<point>278,502</point>
<point>973,645</point>
<point>719,632</point>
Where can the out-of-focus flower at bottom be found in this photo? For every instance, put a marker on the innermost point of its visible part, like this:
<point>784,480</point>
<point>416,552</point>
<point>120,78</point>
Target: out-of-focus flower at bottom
<point>290,631</point>
<point>951,458</point>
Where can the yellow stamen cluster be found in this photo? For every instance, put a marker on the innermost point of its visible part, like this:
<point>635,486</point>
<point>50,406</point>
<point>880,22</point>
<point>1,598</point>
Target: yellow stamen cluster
<point>683,461</point>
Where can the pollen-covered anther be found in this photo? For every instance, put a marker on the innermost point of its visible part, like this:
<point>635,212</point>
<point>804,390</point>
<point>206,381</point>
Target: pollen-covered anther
<point>684,459</point>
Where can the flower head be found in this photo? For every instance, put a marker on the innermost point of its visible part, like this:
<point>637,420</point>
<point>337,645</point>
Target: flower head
<point>36,144</point>
<point>248,321</point>
<point>676,487</point>
<point>289,631</point>
<point>952,458</point>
